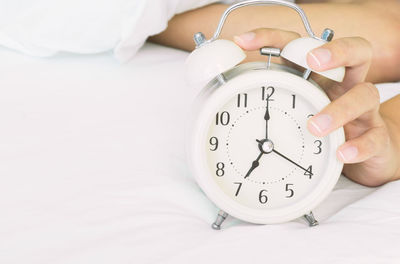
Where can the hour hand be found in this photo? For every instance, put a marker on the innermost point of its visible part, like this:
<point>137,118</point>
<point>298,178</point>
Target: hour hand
<point>254,165</point>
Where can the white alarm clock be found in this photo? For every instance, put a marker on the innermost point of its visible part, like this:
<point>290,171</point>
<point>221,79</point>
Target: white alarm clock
<point>249,148</point>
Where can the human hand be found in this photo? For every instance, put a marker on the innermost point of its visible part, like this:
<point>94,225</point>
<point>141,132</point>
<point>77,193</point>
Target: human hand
<point>371,151</point>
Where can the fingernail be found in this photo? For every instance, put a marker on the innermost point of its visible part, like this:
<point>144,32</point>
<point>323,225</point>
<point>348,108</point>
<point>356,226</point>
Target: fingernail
<point>319,58</point>
<point>320,124</point>
<point>348,154</point>
<point>245,37</point>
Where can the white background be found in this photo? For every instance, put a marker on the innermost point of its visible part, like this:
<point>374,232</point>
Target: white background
<point>92,170</point>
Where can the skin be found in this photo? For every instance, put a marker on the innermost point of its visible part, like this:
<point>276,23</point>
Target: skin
<point>376,21</point>
<point>371,152</point>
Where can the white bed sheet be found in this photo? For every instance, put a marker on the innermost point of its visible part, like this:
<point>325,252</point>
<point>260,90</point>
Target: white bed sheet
<point>92,170</point>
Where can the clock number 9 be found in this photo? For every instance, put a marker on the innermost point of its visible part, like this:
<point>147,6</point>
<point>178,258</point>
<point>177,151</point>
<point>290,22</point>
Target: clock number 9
<point>267,93</point>
<point>214,143</point>
<point>222,118</point>
<point>262,197</point>
<point>220,169</point>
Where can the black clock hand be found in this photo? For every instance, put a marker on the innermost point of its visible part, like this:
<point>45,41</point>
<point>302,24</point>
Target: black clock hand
<point>286,158</point>
<point>266,118</point>
<point>254,165</point>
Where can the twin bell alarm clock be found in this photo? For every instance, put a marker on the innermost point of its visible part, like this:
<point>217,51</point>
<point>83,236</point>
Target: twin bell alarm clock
<point>249,148</point>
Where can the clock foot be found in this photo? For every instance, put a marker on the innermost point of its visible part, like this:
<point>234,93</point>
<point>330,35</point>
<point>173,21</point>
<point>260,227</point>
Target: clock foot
<point>220,219</point>
<point>311,219</point>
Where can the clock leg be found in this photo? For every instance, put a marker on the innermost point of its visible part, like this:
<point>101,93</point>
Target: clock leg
<point>220,219</point>
<point>311,219</point>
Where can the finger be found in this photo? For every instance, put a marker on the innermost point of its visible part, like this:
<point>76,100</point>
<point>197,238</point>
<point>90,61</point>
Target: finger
<point>262,37</point>
<point>352,52</point>
<point>364,147</point>
<point>361,102</point>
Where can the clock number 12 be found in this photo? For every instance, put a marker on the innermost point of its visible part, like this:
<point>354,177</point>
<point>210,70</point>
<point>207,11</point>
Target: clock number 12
<point>267,93</point>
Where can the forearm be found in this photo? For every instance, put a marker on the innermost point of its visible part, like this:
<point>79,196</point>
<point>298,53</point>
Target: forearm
<point>380,24</point>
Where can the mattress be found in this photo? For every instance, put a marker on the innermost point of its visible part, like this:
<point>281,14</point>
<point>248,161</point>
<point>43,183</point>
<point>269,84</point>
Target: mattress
<point>93,170</point>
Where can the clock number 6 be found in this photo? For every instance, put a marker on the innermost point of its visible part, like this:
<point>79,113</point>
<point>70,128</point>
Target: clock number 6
<point>262,197</point>
<point>220,169</point>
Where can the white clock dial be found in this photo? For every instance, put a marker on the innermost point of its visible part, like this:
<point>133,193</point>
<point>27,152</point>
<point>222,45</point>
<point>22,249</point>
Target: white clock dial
<point>255,158</point>
<point>260,151</point>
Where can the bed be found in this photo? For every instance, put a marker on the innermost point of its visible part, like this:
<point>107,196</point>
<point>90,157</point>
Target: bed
<point>93,170</point>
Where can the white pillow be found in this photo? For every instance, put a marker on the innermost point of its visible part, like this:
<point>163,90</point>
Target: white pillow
<point>46,27</point>
<point>153,19</point>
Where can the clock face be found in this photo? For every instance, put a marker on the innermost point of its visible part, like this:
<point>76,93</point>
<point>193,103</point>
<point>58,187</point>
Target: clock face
<point>259,150</point>
<point>250,149</point>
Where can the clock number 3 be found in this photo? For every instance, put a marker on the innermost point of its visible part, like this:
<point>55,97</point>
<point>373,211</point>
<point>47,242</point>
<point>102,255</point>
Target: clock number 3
<point>319,148</point>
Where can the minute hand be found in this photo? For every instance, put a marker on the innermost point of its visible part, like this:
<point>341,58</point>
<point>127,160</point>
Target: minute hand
<point>266,118</point>
<point>286,158</point>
